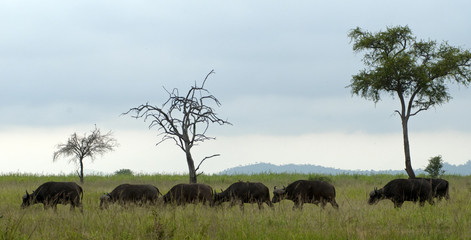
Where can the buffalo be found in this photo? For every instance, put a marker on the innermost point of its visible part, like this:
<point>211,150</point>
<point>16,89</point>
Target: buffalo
<point>244,192</point>
<point>306,191</point>
<point>400,190</point>
<point>52,193</point>
<point>131,193</point>
<point>189,193</point>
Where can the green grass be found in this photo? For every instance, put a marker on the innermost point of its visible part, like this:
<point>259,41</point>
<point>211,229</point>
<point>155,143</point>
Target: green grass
<point>354,220</point>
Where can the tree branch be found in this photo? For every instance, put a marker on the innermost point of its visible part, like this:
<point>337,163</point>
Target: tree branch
<point>204,159</point>
<point>397,111</point>
<point>411,102</point>
<point>212,72</point>
<point>419,110</point>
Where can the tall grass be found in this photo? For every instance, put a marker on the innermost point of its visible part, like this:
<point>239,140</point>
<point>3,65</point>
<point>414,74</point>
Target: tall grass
<point>354,220</point>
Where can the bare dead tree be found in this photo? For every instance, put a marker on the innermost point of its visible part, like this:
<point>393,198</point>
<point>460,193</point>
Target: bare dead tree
<point>79,148</point>
<point>184,119</point>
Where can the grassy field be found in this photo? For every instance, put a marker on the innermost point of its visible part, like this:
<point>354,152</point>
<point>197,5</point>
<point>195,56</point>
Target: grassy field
<point>354,220</point>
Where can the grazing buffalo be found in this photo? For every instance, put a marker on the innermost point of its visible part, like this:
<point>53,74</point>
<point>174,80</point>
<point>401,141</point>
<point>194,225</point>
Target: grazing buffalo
<point>245,192</point>
<point>439,188</point>
<point>400,190</point>
<point>189,193</point>
<point>306,191</point>
<point>130,193</point>
<point>52,193</point>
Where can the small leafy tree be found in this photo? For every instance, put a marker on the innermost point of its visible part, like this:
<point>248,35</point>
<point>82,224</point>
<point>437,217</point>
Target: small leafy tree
<point>434,167</point>
<point>416,72</point>
<point>124,172</point>
<point>184,119</point>
<point>78,148</point>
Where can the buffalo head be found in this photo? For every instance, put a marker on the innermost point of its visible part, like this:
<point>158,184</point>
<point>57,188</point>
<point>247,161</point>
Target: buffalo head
<point>220,197</point>
<point>27,200</point>
<point>278,194</point>
<point>104,200</point>
<point>375,196</point>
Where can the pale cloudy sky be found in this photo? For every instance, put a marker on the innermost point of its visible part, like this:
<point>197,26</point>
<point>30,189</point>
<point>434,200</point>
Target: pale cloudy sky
<point>281,72</point>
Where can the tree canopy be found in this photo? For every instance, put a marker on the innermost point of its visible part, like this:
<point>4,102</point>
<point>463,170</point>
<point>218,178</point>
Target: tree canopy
<point>400,65</point>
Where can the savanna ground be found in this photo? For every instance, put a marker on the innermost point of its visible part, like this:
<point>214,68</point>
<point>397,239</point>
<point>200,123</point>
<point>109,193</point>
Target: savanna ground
<point>354,220</point>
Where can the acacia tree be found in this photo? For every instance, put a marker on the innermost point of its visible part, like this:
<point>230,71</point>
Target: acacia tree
<point>184,119</point>
<point>78,148</point>
<point>414,71</point>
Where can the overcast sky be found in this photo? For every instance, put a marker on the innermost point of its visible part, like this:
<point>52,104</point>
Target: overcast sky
<point>282,68</point>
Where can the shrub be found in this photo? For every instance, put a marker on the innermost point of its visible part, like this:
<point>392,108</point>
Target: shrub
<point>320,178</point>
<point>434,167</point>
<point>123,172</point>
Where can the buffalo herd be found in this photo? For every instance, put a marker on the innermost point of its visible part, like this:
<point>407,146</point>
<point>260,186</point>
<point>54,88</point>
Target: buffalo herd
<point>301,191</point>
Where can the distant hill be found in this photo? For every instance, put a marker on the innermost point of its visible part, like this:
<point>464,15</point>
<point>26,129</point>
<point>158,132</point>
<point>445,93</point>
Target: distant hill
<point>464,169</point>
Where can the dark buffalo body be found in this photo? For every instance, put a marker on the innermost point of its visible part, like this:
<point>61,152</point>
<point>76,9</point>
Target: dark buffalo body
<point>306,191</point>
<point>189,193</point>
<point>439,188</point>
<point>245,192</point>
<point>400,190</point>
<point>52,193</point>
<point>131,193</point>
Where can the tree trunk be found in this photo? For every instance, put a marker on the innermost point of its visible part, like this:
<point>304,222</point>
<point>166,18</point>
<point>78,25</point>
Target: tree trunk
<point>405,134</point>
<point>191,167</point>
<point>81,170</point>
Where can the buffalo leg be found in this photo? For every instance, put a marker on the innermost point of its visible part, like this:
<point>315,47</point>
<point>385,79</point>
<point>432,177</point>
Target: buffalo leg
<point>260,205</point>
<point>242,205</point>
<point>298,205</point>
<point>324,202</point>
<point>398,204</point>
<point>79,205</point>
